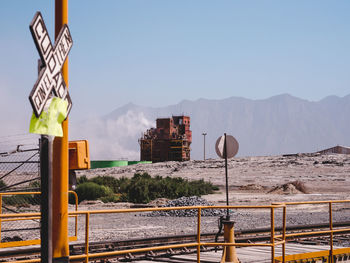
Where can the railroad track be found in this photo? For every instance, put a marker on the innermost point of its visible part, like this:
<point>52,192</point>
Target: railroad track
<point>241,236</point>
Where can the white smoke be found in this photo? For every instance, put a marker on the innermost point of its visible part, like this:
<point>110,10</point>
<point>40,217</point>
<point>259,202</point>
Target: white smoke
<point>112,139</point>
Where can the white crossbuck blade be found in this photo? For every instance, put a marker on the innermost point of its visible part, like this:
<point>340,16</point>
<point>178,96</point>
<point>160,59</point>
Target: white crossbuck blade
<point>52,59</point>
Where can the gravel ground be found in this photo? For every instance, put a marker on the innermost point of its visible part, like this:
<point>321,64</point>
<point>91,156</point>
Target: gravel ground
<point>252,181</point>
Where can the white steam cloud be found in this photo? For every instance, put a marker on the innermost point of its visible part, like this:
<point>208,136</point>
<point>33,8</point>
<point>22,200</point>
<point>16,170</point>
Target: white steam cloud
<point>112,139</point>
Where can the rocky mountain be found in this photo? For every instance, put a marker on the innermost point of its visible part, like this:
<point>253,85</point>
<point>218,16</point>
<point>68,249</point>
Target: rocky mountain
<point>277,125</point>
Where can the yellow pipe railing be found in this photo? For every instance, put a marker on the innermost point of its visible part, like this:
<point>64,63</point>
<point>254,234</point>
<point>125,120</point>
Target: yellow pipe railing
<point>331,252</point>
<point>29,216</point>
<point>275,239</point>
<point>86,256</point>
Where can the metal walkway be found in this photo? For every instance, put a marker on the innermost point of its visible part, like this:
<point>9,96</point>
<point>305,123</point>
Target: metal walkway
<point>245,255</point>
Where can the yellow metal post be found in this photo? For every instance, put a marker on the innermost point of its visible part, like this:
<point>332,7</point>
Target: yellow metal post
<point>199,235</point>
<point>272,234</point>
<point>284,234</point>
<point>0,214</point>
<point>87,225</point>
<point>331,233</point>
<point>229,237</point>
<point>60,163</point>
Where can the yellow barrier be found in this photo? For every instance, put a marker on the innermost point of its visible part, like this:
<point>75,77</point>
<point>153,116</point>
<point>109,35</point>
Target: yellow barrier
<point>86,256</point>
<point>278,239</point>
<point>329,254</point>
<point>30,216</point>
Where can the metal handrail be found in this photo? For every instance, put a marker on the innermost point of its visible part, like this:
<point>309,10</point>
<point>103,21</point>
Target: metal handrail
<point>30,216</point>
<point>276,239</point>
<point>331,230</point>
<point>86,256</point>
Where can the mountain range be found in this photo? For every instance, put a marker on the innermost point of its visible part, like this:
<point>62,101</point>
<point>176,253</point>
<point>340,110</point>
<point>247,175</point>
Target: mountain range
<point>277,125</point>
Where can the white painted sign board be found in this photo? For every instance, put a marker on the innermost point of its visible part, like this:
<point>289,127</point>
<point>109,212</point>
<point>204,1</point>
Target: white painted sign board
<point>231,146</point>
<point>52,59</point>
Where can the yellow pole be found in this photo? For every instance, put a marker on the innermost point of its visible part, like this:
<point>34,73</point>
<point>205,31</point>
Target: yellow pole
<point>272,234</point>
<point>0,214</point>
<point>284,233</point>
<point>331,233</point>
<point>60,163</point>
<point>199,235</point>
<point>229,236</point>
<point>87,225</point>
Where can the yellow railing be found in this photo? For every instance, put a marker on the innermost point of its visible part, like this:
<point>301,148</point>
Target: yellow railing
<point>30,216</point>
<point>86,256</point>
<point>278,239</point>
<point>326,253</point>
<point>198,244</point>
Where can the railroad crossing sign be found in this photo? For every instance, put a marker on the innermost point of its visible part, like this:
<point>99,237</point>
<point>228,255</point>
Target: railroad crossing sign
<point>52,59</point>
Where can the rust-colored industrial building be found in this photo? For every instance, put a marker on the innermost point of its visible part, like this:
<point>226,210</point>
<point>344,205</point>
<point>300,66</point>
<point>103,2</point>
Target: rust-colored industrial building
<point>169,141</point>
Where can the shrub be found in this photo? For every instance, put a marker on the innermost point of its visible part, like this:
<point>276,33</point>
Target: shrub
<point>141,188</point>
<point>109,181</point>
<point>22,200</point>
<point>110,198</point>
<point>82,179</point>
<point>71,199</point>
<point>92,191</point>
<point>35,185</point>
<point>2,185</point>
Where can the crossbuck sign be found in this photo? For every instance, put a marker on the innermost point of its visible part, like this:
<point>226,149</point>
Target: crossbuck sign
<point>52,59</point>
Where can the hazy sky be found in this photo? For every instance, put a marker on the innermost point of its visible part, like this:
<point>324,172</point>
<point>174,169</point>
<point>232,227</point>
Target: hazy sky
<point>157,52</point>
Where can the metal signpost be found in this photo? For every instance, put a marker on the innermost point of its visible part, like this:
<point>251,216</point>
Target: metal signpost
<point>50,80</point>
<point>227,147</point>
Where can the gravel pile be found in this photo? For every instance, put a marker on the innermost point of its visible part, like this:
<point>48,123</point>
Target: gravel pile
<point>188,201</point>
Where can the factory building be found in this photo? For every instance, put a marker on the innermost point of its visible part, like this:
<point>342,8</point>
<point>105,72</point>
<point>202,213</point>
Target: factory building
<point>169,141</point>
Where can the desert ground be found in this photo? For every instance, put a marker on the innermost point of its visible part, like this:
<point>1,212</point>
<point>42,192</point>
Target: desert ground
<point>252,181</point>
<point>256,180</point>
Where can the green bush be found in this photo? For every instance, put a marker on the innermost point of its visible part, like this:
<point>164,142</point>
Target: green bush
<point>92,191</point>
<point>35,185</point>
<point>109,181</point>
<point>141,188</point>
<point>82,179</point>
<point>2,185</point>
<point>110,198</point>
<point>71,199</point>
<point>21,200</point>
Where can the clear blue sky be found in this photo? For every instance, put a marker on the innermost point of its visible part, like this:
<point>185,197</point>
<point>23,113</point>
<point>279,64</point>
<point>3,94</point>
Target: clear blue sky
<point>157,52</point>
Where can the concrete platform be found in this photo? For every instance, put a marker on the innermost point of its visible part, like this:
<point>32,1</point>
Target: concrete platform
<point>245,255</point>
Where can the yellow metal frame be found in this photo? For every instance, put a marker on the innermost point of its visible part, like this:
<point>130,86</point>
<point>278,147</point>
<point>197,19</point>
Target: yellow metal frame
<point>86,256</point>
<point>30,216</point>
<point>317,254</point>
<point>275,239</point>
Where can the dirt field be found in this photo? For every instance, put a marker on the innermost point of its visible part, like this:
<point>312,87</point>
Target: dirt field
<point>252,181</point>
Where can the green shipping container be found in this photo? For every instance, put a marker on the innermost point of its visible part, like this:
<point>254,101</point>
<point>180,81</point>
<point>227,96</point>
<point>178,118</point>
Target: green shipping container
<point>113,163</point>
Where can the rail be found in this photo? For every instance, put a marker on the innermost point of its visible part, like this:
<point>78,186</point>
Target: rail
<point>29,216</point>
<point>328,253</point>
<point>198,244</point>
<point>278,236</point>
